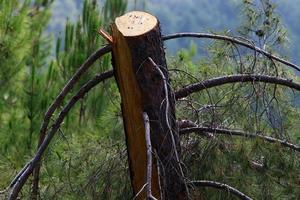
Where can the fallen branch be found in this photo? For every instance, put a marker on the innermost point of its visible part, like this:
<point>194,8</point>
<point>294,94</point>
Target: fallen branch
<point>209,83</point>
<point>238,133</point>
<point>232,40</point>
<point>57,102</point>
<point>21,178</point>
<point>222,186</point>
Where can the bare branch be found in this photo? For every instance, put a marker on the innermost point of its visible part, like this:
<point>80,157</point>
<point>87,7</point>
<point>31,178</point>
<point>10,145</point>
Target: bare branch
<point>149,156</point>
<point>232,40</point>
<point>140,191</point>
<point>221,186</point>
<point>18,175</point>
<point>21,178</point>
<point>186,124</point>
<point>238,133</point>
<point>209,83</point>
<point>58,100</point>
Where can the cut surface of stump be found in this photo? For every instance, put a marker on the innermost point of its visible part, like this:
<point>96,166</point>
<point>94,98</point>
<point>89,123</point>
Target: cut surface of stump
<point>137,44</point>
<point>135,23</point>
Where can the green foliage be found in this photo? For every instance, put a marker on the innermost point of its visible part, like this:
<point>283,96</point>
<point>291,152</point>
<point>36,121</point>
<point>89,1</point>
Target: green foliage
<point>113,9</point>
<point>23,53</point>
<point>81,147</point>
<point>263,23</point>
<point>259,169</point>
<point>89,151</point>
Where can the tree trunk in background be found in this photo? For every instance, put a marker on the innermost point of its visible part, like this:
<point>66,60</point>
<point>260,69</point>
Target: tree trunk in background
<point>141,73</point>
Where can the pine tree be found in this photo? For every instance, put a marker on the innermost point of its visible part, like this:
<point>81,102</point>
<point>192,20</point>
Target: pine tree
<point>23,55</point>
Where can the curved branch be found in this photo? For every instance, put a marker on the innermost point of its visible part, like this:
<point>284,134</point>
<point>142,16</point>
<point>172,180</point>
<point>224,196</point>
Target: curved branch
<point>221,186</point>
<point>238,133</point>
<point>233,40</point>
<point>209,83</point>
<point>21,178</point>
<point>58,100</point>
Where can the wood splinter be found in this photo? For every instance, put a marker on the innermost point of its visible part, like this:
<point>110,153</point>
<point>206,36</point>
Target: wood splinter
<point>105,35</point>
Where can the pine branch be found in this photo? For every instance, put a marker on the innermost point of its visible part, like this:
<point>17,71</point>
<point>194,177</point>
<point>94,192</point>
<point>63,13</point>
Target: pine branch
<point>58,100</point>
<point>238,133</point>
<point>209,83</point>
<point>221,186</point>
<point>19,181</point>
<point>232,40</point>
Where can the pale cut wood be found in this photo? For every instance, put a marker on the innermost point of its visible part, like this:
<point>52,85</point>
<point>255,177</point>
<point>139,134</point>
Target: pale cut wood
<point>136,23</point>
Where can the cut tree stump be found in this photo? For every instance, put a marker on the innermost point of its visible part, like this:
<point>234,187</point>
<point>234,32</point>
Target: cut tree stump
<point>142,77</point>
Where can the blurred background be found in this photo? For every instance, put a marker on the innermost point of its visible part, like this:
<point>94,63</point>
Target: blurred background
<point>192,15</point>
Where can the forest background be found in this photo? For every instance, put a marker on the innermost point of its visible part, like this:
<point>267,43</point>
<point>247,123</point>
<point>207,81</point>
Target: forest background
<point>195,16</point>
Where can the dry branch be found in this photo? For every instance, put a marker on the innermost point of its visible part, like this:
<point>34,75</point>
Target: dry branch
<point>209,83</point>
<point>57,102</point>
<point>238,133</point>
<point>21,178</point>
<point>221,186</point>
<point>149,157</point>
<point>232,40</point>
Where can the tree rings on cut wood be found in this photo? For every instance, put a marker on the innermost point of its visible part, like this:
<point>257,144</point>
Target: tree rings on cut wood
<point>135,23</point>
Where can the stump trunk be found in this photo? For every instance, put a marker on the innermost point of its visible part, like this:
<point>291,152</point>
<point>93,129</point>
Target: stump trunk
<point>142,77</point>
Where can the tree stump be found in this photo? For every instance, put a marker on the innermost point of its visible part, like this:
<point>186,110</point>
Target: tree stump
<point>142,77</point>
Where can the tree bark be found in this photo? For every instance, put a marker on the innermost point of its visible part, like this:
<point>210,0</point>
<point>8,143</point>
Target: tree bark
<point>142,77</point>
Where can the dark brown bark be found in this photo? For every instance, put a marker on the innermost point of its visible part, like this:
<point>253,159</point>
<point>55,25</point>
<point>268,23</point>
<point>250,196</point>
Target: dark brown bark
<point>141,73</point>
